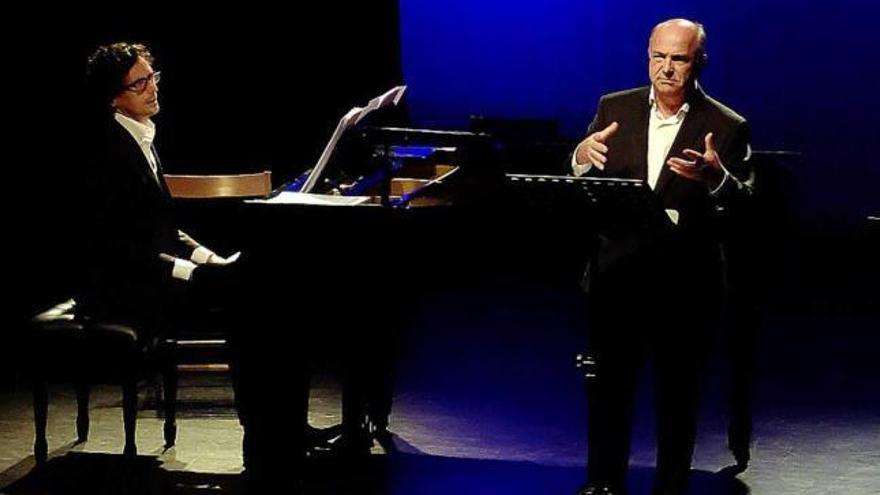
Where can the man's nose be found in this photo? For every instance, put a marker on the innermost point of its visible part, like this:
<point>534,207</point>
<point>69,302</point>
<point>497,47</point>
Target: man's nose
<point>667,65</point>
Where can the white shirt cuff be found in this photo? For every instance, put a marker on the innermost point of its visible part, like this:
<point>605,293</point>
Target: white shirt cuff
<point>201,255</point>
<point>183,269</point>
<point>579,169</point>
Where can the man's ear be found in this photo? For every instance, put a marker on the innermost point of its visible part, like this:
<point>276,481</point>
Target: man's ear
<point>700,63</point>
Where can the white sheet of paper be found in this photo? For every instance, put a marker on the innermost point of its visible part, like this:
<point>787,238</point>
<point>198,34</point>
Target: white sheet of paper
<point>298,198</point>
<point>350,119</point>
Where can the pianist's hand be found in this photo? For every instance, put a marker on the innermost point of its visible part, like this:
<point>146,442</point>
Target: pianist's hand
<point>216,259</point>
<point>186,239</point>
<point>202,255</point>
<point>593,149</point>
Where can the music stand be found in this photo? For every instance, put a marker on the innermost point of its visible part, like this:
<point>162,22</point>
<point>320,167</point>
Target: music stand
<point>612,203</point>
<point>621,209</point>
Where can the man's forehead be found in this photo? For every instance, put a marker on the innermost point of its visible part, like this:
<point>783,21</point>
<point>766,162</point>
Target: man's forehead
<point>674,38</point>
<point>140,69</point>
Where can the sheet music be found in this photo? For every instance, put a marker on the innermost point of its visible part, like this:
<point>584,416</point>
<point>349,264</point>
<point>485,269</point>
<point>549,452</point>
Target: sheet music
<point>349,120</point>
<point>299,198</point>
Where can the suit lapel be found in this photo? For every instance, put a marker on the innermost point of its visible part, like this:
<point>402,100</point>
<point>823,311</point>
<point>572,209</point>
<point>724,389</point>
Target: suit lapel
<point>692,131</point>
<point>639,143</point>
<point>159,173</point>
<point>137,159</point>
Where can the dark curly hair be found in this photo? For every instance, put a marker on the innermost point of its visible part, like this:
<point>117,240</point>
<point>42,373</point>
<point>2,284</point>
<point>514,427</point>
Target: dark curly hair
<point>107,67</point>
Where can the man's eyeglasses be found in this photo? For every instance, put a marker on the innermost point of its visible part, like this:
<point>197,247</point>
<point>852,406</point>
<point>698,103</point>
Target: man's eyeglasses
<point>140,85</point>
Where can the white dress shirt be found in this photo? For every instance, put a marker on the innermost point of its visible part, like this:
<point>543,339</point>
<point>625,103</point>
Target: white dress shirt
<point>661,134</point>
<point>143,134</point>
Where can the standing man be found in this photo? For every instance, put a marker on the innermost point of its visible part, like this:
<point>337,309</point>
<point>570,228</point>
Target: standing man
<point>655,293</point>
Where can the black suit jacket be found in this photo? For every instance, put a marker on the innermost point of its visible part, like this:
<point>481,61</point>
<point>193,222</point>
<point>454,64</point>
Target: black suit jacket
<point>130,221</point>
<point>687,254</point>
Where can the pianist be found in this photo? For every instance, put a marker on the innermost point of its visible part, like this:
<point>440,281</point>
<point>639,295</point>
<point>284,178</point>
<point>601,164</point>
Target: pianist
<point>140,268</point>
<point>139,262</point>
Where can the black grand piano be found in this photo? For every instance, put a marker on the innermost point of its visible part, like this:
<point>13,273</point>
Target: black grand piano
<point>335,274</point>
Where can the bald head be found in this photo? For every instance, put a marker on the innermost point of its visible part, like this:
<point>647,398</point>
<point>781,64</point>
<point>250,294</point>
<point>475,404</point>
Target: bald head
<point>675,58</point>
<point>684,28</point>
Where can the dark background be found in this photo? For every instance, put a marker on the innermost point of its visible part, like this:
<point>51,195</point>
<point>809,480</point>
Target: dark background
<point>254,87</point>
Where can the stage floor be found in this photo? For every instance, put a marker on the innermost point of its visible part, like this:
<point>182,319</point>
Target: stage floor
<point>488,401</point>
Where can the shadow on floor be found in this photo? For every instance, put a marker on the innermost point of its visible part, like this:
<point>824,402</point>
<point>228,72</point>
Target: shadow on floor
<point>404,474</point>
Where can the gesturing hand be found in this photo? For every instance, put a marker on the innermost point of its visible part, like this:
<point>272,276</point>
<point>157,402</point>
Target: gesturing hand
<point>705,167</point>
<point>593,148</point>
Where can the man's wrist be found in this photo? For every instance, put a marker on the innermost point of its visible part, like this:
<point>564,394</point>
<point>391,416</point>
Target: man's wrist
<point>183,269</point>
<point>579,169</point>
<point>201,255</point>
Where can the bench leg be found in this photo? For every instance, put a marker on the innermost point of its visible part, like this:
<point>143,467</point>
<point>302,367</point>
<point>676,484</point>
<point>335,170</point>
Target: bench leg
<point>129,416</point>
<point>82,412</point>
<point>41,410</point>
<point>169,377</point>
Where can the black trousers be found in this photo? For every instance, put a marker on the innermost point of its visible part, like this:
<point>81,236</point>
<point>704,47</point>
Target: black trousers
<point>667,323</point>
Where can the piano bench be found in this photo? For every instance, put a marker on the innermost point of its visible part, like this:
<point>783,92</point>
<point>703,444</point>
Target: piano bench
<point>64,347</point>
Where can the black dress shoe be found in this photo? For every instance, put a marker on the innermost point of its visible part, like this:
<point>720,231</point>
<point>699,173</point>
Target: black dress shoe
<point>593,489</point>
<point>321,438</point>
<point>742,455</point>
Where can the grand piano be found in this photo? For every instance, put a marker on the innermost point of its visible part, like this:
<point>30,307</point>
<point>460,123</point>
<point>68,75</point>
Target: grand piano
<point>335,276</point>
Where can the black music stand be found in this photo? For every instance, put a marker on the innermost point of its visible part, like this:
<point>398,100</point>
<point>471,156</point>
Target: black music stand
<point>615,205</point>
<point>615,208</point>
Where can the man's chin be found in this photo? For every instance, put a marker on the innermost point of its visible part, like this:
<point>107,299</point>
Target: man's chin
<point>667,89</point>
